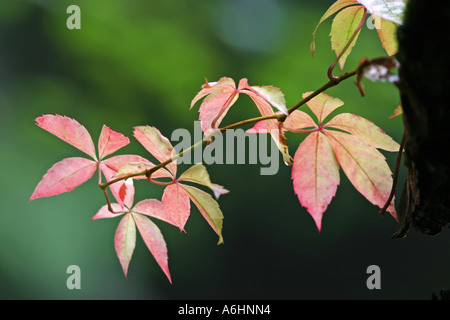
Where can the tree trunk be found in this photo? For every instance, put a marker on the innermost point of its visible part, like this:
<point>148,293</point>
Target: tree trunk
<point>425,95</point>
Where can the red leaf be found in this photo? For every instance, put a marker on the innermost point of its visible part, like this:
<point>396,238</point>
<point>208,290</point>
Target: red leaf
<point>136,164</point>
<point>110,141</point>
<point>154,241</point>
<point>64,176</point>
<point>68,130</point>
<point>315,175</point>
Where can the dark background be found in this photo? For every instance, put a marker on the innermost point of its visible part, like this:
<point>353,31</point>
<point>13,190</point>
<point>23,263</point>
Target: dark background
<point>141,62</point>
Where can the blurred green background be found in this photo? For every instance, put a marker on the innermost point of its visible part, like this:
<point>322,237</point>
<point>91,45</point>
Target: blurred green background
<point>141,62</point>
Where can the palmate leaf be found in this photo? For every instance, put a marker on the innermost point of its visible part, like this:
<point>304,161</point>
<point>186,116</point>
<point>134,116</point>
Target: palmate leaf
<point>221,95</point>
<point>176,197</point>
<point>315,172</point>
<point>137,217</point>
<point>70,173</point>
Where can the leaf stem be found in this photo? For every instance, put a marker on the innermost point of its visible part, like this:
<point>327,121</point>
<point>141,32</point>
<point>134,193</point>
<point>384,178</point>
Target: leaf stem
<point>395,178</point>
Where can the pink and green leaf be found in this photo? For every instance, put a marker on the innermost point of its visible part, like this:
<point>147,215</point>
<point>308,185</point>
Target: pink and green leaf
<point>198,174</point>
<point>366,130</point>
<point>364,166</point>
<point>322,105</point>
<point>157,144</point>
<point>315,175</point>
<point>125,241</point>
<point>208,207</point>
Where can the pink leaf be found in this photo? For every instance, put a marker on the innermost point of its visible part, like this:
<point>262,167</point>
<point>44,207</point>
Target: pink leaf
<point>117,164</point>
<point>125,241</point>
<point>68,130</point>
<point>364,166</point>
<point>64,176</point>
<point>154,241</point>
<point>298,120</point>
<point>153,208</point>
<point>177,204</point>
<point>270,94</point>
<point>219,97</point>
<point>210,87</point>
<point>110,141</point>
<point>315,175</point>
<point>105,213</point>
<point>322,105</point>
<point>114,187</point>
<point>272,125</point>
<point>365,130</point>
<point>158,145</point>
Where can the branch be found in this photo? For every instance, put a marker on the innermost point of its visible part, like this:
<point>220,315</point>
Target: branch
<point>280,117</point>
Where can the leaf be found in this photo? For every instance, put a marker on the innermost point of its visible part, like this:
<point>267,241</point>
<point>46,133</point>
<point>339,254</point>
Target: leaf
<point>208,207</point>
<point>322,105</point>
<point>298,120</point>
<point>110,141</point>
<point>344,26</point>
<point>391,10</point>
<point>335,7</point>
<point>129,164</point>
<point>198,174</point>
<point>364,166</point>
<point>104,212</point>
<point>387,32</point>
<point>366,130</point>
<point>270,94</point>
<point>137,167</point>
<point>209,87</point>
<point>158,145</point>
<point>177,204</point>
<point>115,187</point>
<point>125,241</point>
<point>154,241</point>
<point>272,125</point>
<point>315,175</point>
<point>153,208</point>
<point>69,130</point>
<point>64,176</point>
<point>398,111</point>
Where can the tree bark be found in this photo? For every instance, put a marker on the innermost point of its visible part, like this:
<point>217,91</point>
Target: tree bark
<point>425,96</point>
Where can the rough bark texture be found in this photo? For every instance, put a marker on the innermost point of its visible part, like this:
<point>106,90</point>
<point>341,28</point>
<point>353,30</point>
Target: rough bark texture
<point>425,93</point>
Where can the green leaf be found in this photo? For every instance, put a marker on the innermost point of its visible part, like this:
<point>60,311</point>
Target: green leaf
<point>208,207</point>
<point>344,26</point>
